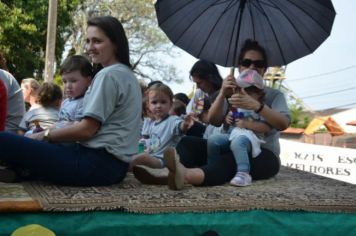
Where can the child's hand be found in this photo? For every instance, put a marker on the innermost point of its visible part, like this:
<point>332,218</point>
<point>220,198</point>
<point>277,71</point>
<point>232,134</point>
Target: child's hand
<point>243,100</point>
<point>229,119</point>
<point>189,120</point>
<point>187,123</point>
<point>193,115</point>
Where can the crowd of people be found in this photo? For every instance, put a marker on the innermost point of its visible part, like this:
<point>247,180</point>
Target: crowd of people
<point>105,123</point>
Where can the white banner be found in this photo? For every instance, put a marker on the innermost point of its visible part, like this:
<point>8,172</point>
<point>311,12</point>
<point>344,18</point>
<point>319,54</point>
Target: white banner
<point>333,162</point>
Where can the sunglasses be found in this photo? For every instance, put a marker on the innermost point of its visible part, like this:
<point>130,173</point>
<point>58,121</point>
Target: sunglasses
<point>257,63</point>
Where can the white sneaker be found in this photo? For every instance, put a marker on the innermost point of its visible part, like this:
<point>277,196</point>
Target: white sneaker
<point>241,179</point>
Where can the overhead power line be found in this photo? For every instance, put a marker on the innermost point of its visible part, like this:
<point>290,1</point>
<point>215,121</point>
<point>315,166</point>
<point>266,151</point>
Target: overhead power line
<point>322,74</point>
<point>327,93</point>
<point>338,106</point>
<point>346,105</point>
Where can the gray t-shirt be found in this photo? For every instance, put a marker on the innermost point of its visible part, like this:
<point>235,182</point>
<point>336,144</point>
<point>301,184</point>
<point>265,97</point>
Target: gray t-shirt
<point>46,118</point>
<point>200,95</point>
<point>276,100</point>
<point>15,102</point>
<point>164,133</point>
<point>147,126</point>
<point>114,99</point>
<point>71,109</point>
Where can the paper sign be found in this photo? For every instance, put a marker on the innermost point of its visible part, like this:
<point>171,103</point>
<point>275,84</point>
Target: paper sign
<point>333,162</point>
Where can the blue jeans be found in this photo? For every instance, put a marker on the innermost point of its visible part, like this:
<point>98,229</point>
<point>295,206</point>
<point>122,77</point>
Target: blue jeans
<point>240,146</point>
<point>65,164</point>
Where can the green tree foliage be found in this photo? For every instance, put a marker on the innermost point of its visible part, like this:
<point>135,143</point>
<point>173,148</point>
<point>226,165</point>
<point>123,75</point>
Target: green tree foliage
<point>149,47</point>
<point>298,117</point>
<point>23,29</point>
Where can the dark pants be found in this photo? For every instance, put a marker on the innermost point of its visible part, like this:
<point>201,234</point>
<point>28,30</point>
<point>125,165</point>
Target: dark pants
<point>65,164</point>
<point>193,153</point>
<point>196,130</point>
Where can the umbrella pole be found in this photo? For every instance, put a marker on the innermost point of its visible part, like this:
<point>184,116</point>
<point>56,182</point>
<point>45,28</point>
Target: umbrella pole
<point>232,71</point>
<point>241,8</point>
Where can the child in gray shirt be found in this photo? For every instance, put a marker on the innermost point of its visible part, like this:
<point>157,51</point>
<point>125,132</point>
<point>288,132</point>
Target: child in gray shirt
<point>166,130</point>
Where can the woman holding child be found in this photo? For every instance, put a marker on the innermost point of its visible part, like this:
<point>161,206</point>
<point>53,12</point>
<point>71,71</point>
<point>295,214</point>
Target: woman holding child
<point>97,149</point>
<point>221,169</point>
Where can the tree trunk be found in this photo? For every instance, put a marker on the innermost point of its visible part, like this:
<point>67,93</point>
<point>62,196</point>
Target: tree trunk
<point>51,41</point>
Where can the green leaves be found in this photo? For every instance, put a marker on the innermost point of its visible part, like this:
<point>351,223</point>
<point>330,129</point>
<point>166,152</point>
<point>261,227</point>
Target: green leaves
<point>23,27</point>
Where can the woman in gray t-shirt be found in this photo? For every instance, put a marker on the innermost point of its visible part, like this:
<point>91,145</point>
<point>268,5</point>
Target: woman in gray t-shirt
<point>97,149</point>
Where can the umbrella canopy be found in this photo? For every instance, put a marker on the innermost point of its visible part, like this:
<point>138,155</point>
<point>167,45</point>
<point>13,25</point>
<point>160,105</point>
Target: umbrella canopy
<point>215,30</point>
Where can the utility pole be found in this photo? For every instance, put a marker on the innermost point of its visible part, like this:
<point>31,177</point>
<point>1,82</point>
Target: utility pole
<point>51,41</point>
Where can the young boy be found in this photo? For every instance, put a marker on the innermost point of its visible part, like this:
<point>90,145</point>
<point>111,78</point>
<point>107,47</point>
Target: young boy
<point>77,73</point>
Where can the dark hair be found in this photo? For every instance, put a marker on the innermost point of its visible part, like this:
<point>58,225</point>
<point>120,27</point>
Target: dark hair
<point>206,70</point>
<point>77,63</point>
<point>252,45</point>
<point>182,97</point>
<point>49,94</point>
<point>113,29</point>
<point>179,107</point>
<point>207,104</point>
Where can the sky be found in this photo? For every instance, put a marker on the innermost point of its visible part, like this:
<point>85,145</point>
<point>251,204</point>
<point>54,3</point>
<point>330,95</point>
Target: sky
<point>322,80</point>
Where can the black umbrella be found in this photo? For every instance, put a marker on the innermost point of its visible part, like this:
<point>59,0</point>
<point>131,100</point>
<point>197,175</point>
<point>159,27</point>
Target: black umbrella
<point>215,30</point>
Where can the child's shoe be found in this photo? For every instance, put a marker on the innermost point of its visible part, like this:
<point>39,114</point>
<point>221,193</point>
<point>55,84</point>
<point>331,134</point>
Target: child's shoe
<point>176,169</point>
<point>147,175</point>
<point>241,179</point>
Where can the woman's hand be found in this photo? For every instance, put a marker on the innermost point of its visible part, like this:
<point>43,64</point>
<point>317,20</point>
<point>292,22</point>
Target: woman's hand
<point>216,115</point>
<point>273,118</point>
<point>244,101</point>
<point>228,86</point>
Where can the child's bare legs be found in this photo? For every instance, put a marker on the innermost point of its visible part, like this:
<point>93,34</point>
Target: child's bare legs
<point>146,160</point>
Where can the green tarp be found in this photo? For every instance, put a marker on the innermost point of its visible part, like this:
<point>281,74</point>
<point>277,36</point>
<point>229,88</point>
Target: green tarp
<point>256,222</point>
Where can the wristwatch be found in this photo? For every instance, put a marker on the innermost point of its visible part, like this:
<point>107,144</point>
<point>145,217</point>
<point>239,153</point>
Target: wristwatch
<point>46,136</point>
<point>262,105</point>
